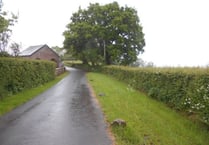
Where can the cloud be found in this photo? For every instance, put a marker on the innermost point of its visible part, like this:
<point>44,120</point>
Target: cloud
<point>176,31</point>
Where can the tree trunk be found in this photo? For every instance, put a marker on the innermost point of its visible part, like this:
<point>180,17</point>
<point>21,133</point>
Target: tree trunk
<point>108,59</point>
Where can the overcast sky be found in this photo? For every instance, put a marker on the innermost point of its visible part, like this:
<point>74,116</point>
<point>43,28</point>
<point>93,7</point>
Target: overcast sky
<point>176,31</point>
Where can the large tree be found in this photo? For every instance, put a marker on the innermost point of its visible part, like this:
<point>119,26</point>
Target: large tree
<point>107,33</point>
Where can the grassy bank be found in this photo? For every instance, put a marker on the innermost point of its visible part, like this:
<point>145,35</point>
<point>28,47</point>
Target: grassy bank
<point>148,122</point>
<point>9,103</point>
<point>183,89</point>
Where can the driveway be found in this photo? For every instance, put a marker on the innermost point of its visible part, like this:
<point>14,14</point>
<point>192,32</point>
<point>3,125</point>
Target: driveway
<point>65,114</point>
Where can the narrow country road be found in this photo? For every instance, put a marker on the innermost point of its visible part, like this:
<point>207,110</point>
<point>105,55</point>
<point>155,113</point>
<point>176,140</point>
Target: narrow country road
<point>63,115</point>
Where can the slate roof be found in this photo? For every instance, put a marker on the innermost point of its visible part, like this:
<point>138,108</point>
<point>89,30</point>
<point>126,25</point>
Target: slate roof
<point>30,50</point>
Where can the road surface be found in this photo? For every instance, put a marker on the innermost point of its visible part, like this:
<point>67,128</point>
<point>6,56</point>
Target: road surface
<point>63,115</point>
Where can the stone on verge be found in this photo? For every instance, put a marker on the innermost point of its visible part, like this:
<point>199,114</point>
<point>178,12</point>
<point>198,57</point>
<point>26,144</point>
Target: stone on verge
<point>119,122</point>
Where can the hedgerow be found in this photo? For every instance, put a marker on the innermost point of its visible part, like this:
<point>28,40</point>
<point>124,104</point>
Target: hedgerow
<point>185,89</point>
<point>19,74</point>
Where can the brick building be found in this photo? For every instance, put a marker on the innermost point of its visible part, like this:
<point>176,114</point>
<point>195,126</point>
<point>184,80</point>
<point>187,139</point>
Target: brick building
<point>42,52</point>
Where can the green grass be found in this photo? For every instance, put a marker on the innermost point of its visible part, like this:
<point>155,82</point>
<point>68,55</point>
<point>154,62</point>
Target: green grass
<point>11,102</point>
<point>148,122</point>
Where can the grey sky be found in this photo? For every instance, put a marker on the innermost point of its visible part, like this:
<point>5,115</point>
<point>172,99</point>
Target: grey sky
<point>176,31</point>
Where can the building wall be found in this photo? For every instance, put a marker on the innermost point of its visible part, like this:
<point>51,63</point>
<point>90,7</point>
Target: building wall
<point>46,53</point>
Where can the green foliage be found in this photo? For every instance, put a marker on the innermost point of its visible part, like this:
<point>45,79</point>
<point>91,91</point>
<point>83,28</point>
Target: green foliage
<point>19,74</point>
<point>4,54</point>
<point>15,47</point>
<point>149,122</point>
<point>6,21</point>
<point>185,89</point>
<point>108,33</point>
<point>3,22</point>
<point>60,51</point>
<point>9,103</point>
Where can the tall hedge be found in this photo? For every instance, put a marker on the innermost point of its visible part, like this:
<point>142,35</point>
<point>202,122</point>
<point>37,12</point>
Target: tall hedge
<point>19,74</point>
<point>185,89</point>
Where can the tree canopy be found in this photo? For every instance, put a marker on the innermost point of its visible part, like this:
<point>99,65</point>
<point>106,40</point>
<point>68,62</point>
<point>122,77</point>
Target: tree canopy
<point>107,34</point>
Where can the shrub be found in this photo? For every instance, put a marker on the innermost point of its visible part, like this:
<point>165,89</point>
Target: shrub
<point>185,89</point>
<point>19,74</point>
<point>4,54</point>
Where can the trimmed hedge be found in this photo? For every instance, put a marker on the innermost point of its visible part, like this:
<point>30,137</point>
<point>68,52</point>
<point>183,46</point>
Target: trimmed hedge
<point>19,74</point>
<point>185,89</point>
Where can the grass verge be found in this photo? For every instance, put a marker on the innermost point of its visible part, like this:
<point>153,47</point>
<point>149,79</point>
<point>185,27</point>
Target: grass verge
<point>148,122</point>
<point>11,102</point>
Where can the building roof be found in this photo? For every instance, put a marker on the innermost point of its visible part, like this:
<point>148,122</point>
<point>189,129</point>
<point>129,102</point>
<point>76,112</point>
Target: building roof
<point>30,50</point>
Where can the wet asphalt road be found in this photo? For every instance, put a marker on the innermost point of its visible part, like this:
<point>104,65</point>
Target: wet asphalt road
<point>63,115</point>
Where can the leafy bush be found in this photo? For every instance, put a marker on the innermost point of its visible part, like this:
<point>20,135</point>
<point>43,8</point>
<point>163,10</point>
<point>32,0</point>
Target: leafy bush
<point>4,54</point>
<point>19,74</point>
<point>185,89</point>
